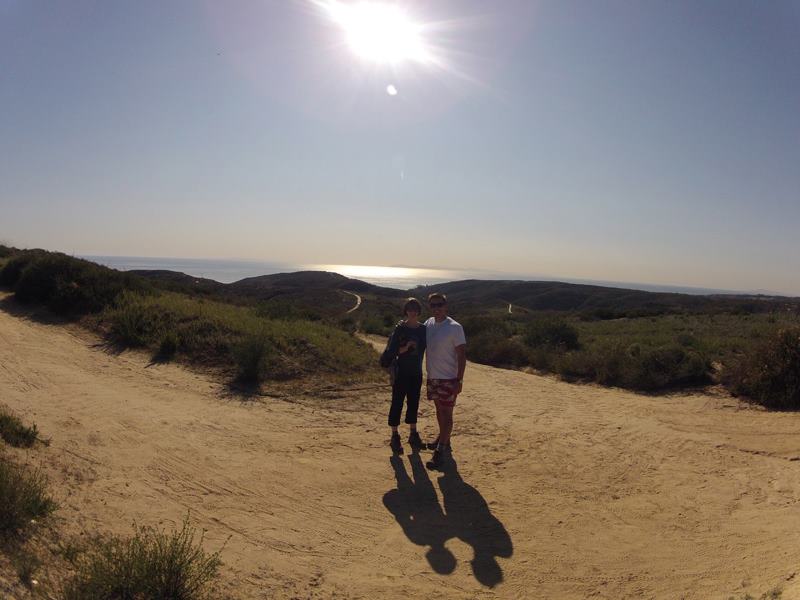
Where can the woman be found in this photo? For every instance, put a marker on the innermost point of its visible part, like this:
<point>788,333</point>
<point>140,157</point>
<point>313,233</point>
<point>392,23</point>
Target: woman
<point>407,347</point>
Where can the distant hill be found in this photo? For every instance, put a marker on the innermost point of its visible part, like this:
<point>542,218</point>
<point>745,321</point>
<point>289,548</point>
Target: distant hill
<point>322,291</point>
<point>605,301</point>
<point>179,281</point>
<point>317,280</point>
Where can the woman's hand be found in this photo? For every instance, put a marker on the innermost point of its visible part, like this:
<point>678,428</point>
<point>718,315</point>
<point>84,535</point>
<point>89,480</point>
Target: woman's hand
<point>408,346</point>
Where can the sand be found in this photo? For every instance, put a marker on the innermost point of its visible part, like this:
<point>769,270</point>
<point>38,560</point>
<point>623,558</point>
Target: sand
<point>559,491</point>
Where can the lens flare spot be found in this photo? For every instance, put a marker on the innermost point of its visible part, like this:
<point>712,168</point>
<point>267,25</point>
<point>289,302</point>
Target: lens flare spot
<point>391,90</point>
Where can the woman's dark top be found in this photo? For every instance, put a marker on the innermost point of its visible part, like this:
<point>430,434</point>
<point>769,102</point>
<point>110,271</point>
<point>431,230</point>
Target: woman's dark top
<point>410,362</point>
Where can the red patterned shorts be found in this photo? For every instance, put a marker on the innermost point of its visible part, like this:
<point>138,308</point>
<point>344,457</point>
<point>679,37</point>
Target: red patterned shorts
<point>442,391</point>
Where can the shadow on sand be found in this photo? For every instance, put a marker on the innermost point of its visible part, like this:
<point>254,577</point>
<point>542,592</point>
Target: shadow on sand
<point>464,515</point>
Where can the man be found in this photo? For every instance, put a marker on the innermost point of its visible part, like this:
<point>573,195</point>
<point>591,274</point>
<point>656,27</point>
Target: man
<point>446,360</point>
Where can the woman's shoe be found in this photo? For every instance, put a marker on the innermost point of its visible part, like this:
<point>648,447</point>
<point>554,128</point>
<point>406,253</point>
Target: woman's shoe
<point>415,441</point>
<point>395,443</point>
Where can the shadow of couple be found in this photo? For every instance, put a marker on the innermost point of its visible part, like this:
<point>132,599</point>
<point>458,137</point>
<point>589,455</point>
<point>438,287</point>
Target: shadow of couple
<point>463,514</point>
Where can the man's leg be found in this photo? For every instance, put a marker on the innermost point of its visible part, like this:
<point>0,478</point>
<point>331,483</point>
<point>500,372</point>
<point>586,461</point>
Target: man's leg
<point>445,423</point>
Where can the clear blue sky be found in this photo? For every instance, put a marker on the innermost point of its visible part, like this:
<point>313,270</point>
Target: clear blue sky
<point>650,141</point>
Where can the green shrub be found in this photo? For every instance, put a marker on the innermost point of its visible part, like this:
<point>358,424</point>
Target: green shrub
<point>494,348</point>
<point>635,366</point>
<point>169,345</point>
<point>665,366</point>
<point>134,324</point>
<point>23,496</point>
<point>6,251</point>
<point>552,332</point>
<point>602,364</point>
<point>70,285</point>
<point>277,308</point>
<point>12,270</point>
<point>150,565</point>
<point>253,356</point>
<point>770,375</point>
<point>14,432</point>
<point>477,324</point>
<point>377,325</point>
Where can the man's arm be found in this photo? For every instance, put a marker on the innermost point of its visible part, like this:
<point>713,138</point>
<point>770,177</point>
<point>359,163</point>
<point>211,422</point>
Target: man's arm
<point>461,353</point>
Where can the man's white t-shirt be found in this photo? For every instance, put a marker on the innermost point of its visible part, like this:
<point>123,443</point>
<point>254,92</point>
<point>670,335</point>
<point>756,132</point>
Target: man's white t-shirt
<point>441,341</point>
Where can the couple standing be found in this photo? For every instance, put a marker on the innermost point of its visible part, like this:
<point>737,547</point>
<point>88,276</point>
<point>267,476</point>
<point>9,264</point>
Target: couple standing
<point>444,340</point>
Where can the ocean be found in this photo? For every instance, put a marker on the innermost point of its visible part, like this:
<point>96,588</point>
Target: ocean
<point>228,271</point>
<point>398,277</point>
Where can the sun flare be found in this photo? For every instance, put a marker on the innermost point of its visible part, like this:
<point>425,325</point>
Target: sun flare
<point>379,32</point>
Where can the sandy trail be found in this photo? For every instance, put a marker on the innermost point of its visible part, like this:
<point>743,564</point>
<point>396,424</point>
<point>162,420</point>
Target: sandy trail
<point>358,301</point>
<point>561,491</point>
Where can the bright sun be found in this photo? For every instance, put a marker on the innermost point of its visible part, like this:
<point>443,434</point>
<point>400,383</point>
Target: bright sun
<point>379,32</point>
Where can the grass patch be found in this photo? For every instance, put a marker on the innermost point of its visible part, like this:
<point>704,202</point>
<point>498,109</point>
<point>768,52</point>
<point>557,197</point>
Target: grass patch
<point>26,564</point>
<point>14,432</point>
<point>151,564</point>
<point>239,338</point>
<point>23,497</point>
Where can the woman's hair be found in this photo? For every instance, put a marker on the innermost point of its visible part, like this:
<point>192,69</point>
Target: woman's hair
<point>412,303</point>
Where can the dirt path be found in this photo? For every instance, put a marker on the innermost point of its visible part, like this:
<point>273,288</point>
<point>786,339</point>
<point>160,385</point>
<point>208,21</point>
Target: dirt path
<point>561,491</point>
<point>358,301</point>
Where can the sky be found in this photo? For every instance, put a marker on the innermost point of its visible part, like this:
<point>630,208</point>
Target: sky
<point>654,142</point>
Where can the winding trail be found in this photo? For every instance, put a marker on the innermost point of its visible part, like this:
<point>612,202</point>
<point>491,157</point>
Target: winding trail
<point>358,301</point>
<point>561,491</point>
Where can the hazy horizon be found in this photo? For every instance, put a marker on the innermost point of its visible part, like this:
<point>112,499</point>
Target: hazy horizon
<point>395,276</point>
<point>648,143</point>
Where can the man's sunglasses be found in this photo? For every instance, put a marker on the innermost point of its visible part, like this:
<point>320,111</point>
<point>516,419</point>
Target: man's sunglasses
<point>436,304</point>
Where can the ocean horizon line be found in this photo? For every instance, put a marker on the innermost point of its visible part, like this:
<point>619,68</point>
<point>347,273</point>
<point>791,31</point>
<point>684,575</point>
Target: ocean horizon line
<point>226,270</point>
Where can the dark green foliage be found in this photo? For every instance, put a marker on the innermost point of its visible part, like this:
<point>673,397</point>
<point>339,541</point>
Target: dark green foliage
<point>12,270</point>
<point>6,251</point>
<point>253,356</point>
<point>379,325</point>
<point>169,345</point>
<point>150,565</point>
<point>553,332</point>
<point>14,432</point>
<point>770,375</point>
<point>278,308</point>
<point>23,496</point>
<point>600,314</point>
<point>67,285</point>
<point>636,367</point>
<point>491,347</point>
<point>135,325</point>
<point>480,324</point>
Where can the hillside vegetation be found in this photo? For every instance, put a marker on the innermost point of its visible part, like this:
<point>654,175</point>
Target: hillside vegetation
<point>249,341</point>
<point>291,325</point>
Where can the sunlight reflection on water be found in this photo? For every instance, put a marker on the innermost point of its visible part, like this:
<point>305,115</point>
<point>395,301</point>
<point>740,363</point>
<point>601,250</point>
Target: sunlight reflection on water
<point>395,277</point>
<point>228,271</point>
